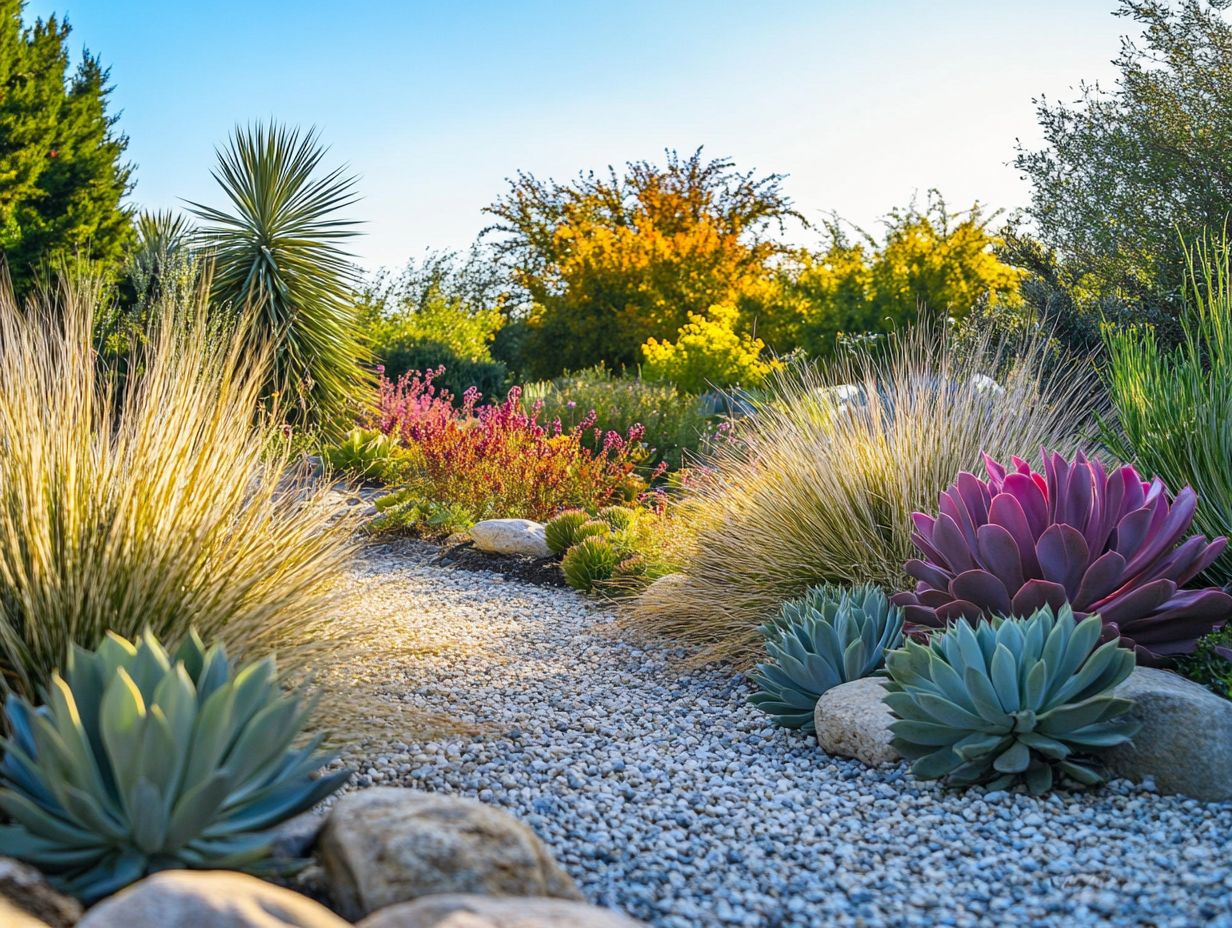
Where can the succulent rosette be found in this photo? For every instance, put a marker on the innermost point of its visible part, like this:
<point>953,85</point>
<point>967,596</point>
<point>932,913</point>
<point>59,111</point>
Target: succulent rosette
<point>1103,542</point>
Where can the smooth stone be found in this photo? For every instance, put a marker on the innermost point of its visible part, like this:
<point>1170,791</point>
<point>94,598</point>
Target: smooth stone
<point>385,845</point>
<point>1185,743</point>
<point>26,890</point>
<point>522,537</point>
<point>208,899</point>
<point>852,721</point>
<point>461,910</point>
<point>13,917</point>
<point>295,838</point>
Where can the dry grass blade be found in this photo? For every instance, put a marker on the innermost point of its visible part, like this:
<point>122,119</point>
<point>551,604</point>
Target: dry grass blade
<point>154,501</point>
<point>821,491</point>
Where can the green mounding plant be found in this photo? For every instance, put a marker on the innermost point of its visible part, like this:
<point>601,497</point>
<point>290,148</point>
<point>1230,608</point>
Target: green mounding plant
<point>618,518</point>
<point>1009,701</point>
<point>167,505</point>
<point>819,484</point>
<point>829,636</point>
<point>592,528</point>
<point>277,254</point>
<point>1172,405</point>
<point>366,454</point>
<point>561,531</point>
<point>589,562</point>
<point>141,761</point>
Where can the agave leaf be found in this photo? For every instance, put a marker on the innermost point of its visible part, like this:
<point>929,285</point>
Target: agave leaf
<point>982,696</point>
<point>147,816</point>
<point>1051,747</point>
<point>235,852</point>
<point>108,876</point>
<point>1086,774</point>
<point>39,821</point>
<point>196,808</point>
<point>977,746</point>
<point>1004,675</point>
<point>213,735</point>
<point>1039,778</point>
<point>276,803</point>
<point>1014,759</point>
<point>44,852</point>
<point>931,734</point>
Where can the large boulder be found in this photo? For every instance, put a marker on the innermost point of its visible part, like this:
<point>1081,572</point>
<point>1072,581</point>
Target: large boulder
<point>208,899</point>
<point>24,888</point>
<point>459,910</point>
<point>1185,743</point>
<point>387,845</point>
<point>511,536</point>
<point>852,721</point>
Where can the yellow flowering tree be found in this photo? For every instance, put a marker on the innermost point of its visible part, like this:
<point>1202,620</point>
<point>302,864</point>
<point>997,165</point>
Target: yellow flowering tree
<point>610,261</point>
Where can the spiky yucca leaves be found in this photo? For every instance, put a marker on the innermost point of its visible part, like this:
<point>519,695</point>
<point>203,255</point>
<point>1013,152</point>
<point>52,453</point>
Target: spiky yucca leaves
<point>817,491</point>
<point>561,530</point>
<point>1105,542</point>
<point>831,635</point>
<point>589,562</point>
<point>141,761</point>
<point>277,252</point>
<point>1010,700</point>
<point>619,518</point>
<point>165,507</point>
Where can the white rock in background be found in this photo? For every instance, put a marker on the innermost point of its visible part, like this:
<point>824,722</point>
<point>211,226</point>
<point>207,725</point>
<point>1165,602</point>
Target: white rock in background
<point>1185,743</point>
<point>387,845</point>
<point>24,888</point>
<point>510,536</point>
<point>461,910</point>
<point>208,899</point>
<point>852,721</point>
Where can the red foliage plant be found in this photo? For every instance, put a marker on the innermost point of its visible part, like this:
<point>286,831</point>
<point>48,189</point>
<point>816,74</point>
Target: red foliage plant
<point>497,459</point>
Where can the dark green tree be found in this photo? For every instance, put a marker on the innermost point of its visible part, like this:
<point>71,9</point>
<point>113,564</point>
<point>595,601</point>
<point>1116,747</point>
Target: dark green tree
<point>1129,172</point>
<point>62,171</point>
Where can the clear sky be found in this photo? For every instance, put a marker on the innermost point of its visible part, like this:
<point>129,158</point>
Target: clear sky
<point>433,104</point>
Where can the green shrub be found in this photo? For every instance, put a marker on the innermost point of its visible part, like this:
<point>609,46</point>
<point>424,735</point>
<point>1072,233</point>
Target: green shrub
<point>618,518</point>
<point>365,454</point>
<point>167,506</point>
<point>410,510</point>
<point>589,562</point>
<point>1172,405</point>
<point>561,531</point>
<point>820,489</point>
<point>674,422</point>
<point>709,352</point>
<point>1011,700</point>
<point>143,761</point>
<point>831,635</point>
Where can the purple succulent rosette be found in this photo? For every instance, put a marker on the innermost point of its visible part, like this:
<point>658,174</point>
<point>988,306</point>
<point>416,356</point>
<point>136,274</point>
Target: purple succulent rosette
<point>1110,544</point>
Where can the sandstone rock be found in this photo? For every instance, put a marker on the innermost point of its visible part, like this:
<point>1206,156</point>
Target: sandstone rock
<point>1185,743</point>
<point>387,845</point>
<point>26,890</point>
<point>13,917</point>
<point>510,536</point>
<point>208,899</point>
<point>459,910</point>
<point>852,721</point>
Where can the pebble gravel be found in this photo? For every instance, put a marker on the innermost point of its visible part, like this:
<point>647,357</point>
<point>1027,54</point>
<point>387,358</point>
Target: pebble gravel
<point>670,799</point>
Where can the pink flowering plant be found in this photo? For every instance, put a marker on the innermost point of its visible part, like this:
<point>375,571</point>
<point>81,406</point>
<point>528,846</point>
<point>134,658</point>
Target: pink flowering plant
<point>497,460</point>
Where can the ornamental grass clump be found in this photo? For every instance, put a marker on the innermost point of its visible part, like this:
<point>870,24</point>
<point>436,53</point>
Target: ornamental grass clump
<point>1104,542</point>
<point>143,761</point>
<point>1011,700</point>
<point>497,460</point>
<point>820,484</point>
<point>829,636</point>
<point>166,503</point>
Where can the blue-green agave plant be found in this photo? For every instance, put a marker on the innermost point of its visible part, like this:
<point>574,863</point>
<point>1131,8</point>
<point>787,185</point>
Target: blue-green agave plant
<point>1010,700</point>
<point>831,635</point>
<point>139,761</point>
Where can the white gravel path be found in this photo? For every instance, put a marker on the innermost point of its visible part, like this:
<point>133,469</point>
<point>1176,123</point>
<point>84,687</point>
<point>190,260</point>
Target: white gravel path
<point>669,798</point>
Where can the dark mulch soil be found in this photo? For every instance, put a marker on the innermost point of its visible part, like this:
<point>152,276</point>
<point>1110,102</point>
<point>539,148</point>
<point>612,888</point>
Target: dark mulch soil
<point>465,556</point>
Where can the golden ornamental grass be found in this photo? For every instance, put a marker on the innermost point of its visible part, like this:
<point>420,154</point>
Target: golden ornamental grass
<point>813,493</point>
<point>157,503</point>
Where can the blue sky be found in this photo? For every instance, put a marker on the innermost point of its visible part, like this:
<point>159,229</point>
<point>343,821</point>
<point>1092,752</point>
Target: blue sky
<point>434,104</point>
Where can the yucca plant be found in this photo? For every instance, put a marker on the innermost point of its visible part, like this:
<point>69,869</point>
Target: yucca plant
<point>1106,543</point>
<point>814,490</point>
<point>142,761</point>
<point>561,531</point>
<point>278,254</point>
<point>590,561</point>
<point>829,636</point>
<point>1010,700</point>
<point>169,507</point>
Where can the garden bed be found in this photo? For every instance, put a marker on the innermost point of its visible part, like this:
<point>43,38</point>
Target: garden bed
<point>666,796</point>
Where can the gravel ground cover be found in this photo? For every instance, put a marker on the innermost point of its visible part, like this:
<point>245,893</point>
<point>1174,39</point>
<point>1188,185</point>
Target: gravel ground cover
<point>669,798</point>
